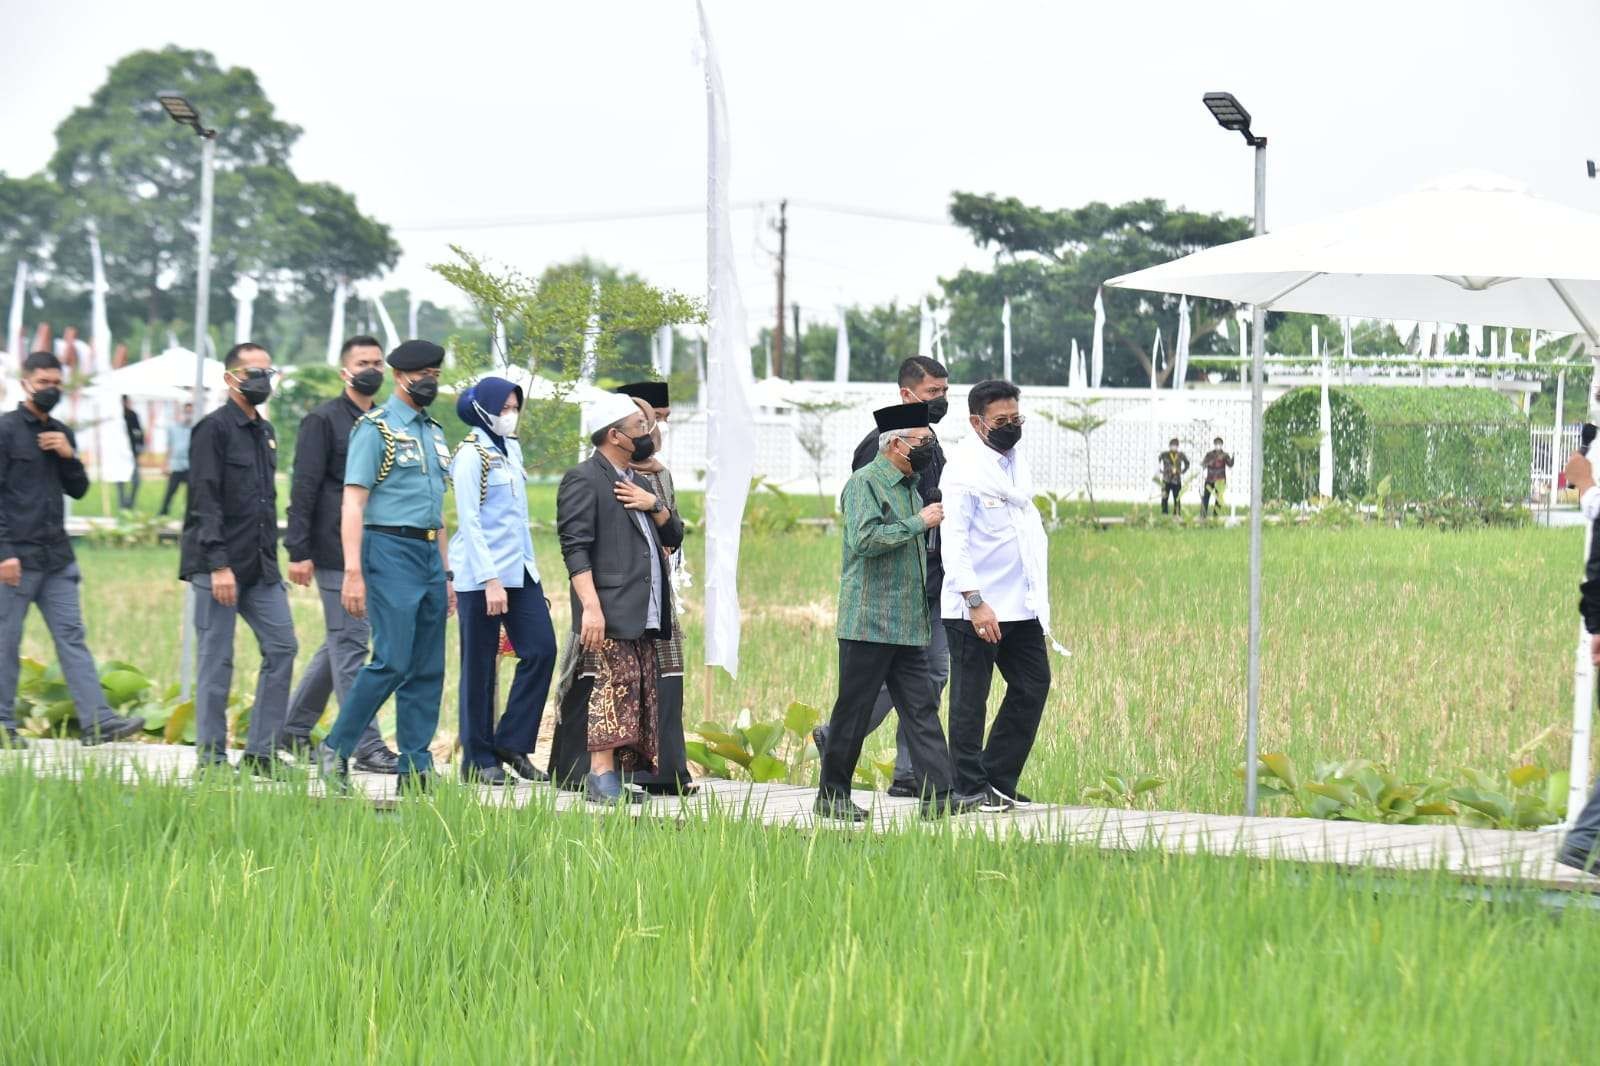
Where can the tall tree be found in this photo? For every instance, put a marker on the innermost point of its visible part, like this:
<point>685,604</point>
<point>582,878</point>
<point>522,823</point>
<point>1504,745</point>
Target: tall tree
<point>121,161</point>
<point>1049,263</point>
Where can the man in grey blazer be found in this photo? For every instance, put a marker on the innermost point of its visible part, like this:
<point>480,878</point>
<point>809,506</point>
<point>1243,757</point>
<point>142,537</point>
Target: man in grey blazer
<point>612,531</point>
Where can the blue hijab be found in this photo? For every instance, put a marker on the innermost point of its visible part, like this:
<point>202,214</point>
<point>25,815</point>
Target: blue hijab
<point>490,395</point>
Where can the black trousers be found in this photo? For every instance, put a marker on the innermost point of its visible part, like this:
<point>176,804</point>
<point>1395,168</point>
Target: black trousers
<point>174,479</point>
<point>864,668</point>
<point>1172,489</point>
<point>1021,658</point>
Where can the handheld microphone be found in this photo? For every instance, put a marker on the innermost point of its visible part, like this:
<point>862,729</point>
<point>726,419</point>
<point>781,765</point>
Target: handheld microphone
<point>933,495</point>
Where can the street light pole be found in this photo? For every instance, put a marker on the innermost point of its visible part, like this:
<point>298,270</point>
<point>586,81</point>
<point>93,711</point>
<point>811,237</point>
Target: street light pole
<point>184,113</point>
<point>1231,115</point>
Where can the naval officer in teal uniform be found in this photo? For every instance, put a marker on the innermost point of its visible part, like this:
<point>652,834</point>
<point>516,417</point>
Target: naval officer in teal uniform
<point>397,567</point>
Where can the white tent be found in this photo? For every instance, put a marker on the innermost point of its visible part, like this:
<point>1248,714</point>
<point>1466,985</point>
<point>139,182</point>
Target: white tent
<point>1474,248</point>
<point>168,376</point>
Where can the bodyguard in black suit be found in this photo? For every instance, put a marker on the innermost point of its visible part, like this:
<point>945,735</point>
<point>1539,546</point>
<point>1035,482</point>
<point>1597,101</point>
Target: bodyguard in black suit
<point>612,532</point>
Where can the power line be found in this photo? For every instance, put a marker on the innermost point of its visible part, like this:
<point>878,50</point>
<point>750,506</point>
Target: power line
<point>633,214</point>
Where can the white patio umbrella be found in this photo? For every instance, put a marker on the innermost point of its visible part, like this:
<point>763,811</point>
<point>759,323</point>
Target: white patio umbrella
<point>1474,248</point>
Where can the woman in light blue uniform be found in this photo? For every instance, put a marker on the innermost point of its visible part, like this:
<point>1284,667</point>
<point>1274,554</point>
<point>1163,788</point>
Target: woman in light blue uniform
<point>497,583</point>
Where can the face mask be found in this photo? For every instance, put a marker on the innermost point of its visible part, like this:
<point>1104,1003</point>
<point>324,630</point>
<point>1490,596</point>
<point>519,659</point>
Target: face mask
<point>1003,438</point>
<point>938,408</point>
<point>643,448</point>
<point>367,382</point>
<point>424,390</point>
<point>504,425</point>
<point>46,398</point>
<point>255,390</point>
<point>920,456</point>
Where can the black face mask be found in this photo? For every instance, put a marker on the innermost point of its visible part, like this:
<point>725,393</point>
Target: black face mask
<point>367,382</point>
<point>46,398</point>
<point>256,391</point>
<point>1003,438</point>
<point>938,408</point>
<point>424,391</point>
<point>643,448</point>
<point>921,456</point>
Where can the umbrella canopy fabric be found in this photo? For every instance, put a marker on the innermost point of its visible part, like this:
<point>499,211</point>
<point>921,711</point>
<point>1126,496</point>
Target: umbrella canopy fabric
<point>168,376</point>
<point>1474,248</point>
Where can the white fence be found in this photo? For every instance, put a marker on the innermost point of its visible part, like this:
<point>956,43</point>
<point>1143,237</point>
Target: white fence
<point>1138,425</point>
<point>1123,451</point>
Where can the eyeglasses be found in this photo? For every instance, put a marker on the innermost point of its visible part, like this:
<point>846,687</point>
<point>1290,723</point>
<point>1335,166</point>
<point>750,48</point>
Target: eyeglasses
<point>1002,423</point>
<point>257,371</point>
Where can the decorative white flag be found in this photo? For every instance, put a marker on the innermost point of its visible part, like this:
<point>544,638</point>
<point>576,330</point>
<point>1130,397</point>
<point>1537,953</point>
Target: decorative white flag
<point>1180,369</point>
<point>1005,339</point>
<point>1494,345</point>
<point>341,292</point>
<point>730,427</point>
<point>99,324</point>
<point>502,349</point>
<point>391,336</point>
<point>1505,342</point>
<point>244,292</point>
<point>841,349</point>
<point>1155,361</point>
<point>14,341</point>
<point>1075,367</point>
<point>1097,348</point>
<point>1242,317</point>
<point>591,337</point>
<point>1222,329</point>
<point>1349,351</point>
<point>664,343</point>
<point>924,329</point>
<point>413,306</point>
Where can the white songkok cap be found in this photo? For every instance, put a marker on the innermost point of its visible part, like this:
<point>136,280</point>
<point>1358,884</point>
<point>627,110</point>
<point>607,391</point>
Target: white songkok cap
<point>607,408</point>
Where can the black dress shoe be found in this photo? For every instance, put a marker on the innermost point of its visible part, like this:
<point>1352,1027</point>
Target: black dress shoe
<point>1576,858</point>
<point>839,808</point>
<point>114,728</point>
<point>378,761</point>
<point>334,768</point>
<point>951,803</point>
<point>303,749</point>
<point>268,766</point>
<point>521,765</point>
<point>418,781</point>
<point>10,738</point>
<point>484,775</point>
<point>904,789</point>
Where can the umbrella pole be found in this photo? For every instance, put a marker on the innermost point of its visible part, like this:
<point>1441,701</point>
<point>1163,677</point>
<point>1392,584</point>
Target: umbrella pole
<point>1257,373</point>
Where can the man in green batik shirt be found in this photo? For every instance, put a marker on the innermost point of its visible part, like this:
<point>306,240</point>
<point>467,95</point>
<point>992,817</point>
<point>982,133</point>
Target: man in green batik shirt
<point>883,617</point>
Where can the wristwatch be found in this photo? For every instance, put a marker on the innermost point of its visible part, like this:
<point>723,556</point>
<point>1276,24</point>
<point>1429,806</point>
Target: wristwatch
<point>974,600</point>
<point>449,575</point>
<point>659,506</point>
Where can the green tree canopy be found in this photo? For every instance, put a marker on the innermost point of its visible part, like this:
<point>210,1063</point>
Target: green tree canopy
<point>1049,262</point>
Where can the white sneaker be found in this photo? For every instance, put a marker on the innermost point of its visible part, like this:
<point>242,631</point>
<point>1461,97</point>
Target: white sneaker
<point>1017,800</point>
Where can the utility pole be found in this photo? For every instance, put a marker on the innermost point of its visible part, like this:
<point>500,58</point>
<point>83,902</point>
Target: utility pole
<point>797,368</point>
<point>783,251</point>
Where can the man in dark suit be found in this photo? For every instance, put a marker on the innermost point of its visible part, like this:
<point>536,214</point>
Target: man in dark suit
<point>316,554</point>
<point>612,531</point>
<point>922,380</point>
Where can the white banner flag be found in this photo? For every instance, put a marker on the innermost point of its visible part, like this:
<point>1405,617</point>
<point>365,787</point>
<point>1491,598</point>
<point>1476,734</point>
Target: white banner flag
<point>391,336</point>
<point>730,426</point>
<point>841,349</point>
<point>244,293</point>
<point>1005,339</point>
<point>1097,350</point>
<point>663,352</point>
<point>1180,366</point>
<point>99,324</point>
<point>341,292</point>
<point>15,344</point>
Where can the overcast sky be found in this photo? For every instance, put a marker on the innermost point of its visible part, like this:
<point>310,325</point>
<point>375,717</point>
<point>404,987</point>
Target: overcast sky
<point>453,121</point>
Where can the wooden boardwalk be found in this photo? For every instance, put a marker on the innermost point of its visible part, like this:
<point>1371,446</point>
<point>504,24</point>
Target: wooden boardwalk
<point>1485,856</point>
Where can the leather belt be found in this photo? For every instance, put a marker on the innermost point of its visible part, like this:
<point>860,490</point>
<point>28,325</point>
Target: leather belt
<point>410,532</point>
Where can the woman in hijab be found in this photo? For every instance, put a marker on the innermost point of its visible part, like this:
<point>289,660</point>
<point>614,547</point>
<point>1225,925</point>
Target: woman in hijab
<point>497,583</point>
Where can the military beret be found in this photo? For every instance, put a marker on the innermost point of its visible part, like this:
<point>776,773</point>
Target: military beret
<point>416,355</point>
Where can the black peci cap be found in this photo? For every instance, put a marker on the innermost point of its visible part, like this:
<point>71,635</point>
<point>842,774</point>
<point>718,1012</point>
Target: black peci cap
<point>416,355</point>
<point>901,416</point>
<point>653,393</point>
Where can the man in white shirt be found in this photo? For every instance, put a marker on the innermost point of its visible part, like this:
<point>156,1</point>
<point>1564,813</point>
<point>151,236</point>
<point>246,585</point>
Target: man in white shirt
<point>1581,846</point>
<point>995,605</point>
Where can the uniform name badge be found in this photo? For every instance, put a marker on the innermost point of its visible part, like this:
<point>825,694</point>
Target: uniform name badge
<point>441,451</point>
<point>407,451</point>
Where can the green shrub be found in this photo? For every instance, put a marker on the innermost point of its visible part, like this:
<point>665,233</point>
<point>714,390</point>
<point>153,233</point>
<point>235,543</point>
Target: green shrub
<point>1427,442</point>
